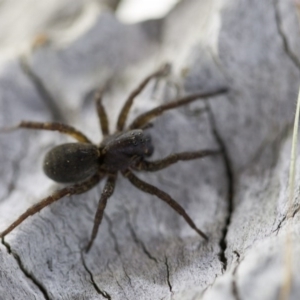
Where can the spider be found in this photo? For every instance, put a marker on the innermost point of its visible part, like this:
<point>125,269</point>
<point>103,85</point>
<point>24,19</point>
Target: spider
<point>84,164</point>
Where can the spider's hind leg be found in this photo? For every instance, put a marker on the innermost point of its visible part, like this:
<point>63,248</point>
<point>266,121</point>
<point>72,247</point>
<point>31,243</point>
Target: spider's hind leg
<point>107,192</point>
<point>52,126</point>
<point>150,189</point>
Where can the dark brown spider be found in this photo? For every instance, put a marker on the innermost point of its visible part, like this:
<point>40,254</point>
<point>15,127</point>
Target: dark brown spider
<point>85,163</point>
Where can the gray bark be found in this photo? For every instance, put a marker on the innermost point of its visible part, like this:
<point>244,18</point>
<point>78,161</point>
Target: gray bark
<point>144,250</point>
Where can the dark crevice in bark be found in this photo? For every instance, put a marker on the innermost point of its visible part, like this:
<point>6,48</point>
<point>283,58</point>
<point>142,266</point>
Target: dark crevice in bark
<point>128,277</point>
<point>42,91</point>
<point>168,275</point>
<point>230,193</point>
<point>117,281</point>
<point>234,288</point>
<point>285,218</point>
<point>98,290</point>
<point>29,275</point>
<point>139,242</point>
<point>286,46</point>
<point>121,288</point>
<point>279,225</point>
<point>295,212</point>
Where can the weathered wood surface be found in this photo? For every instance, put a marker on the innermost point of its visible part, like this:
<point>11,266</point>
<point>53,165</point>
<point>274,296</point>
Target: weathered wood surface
<point>144,250</point>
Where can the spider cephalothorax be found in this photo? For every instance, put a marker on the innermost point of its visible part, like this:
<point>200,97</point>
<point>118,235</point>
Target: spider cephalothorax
<point>85,164</point>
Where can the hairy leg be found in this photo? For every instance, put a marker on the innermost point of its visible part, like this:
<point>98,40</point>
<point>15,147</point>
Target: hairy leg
<point>146,117</point>
<point>107,192</point>
<point>157,165</point>
<point>150,189</point>
<point>67,191</point>
<point>52,126</point>
<point>163,71</point>
<point>101,113</point>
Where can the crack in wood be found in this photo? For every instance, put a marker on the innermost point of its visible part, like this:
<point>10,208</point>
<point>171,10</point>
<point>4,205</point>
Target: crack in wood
<point>285,218</point>
<point>234,287</point>
<point>230,194</point>
<point>117,281</point>
<point>30,276</point>
<point>139,242</point>
<point>127,276</point>
<point>276,230</point>
<point>96,287</point>
<point>121,287</point>
<point>168,275</point>
<point>286,46</point>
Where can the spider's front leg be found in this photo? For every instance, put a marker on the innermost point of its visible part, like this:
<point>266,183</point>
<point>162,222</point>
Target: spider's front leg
<point>67,191</point>
<point>163,71</point>
<point>101,113</point>
<point>52,126</point>
<point>143,119</point>
<point>157,165</point>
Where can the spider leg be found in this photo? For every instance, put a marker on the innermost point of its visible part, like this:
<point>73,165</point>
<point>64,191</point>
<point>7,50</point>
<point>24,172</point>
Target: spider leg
<point>144,118</point>
<point>157,165</point>
<point>150,189</point>
<point>67,191</point>
<point>52,126</point>
<point>163,71</point>
<point>107,192</point>
<point>101,113</point>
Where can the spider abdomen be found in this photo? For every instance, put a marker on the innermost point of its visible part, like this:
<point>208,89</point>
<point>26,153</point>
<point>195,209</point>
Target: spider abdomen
<point>72,162</point>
